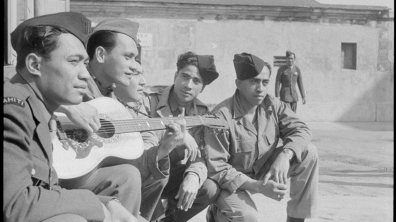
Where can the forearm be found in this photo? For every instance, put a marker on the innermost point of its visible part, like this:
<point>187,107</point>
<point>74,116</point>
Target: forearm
<point>199,168</point>
<point>251,185</point>
<point>295,133</point>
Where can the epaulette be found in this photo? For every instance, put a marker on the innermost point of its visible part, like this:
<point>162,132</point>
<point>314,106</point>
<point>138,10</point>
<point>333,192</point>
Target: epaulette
<point>159,89</point>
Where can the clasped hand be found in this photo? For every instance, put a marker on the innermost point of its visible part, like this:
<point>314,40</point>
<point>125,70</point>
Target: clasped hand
<point>275,181</point>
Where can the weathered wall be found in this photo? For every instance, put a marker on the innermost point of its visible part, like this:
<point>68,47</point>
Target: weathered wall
<point>333,94</point>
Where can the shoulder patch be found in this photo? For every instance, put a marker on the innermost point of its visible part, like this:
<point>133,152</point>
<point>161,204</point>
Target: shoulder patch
<point>13,100</point>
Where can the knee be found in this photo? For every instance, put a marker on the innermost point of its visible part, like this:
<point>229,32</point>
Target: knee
<point>311,153</point>
<point>128,175</point>
<point>66,217</point>
<point>209,191</point>
<point>246,214</point>
<point>162,182</point>
<point>249,215</point>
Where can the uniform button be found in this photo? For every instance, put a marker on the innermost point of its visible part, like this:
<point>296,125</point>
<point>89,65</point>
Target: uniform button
<point>33,171</point>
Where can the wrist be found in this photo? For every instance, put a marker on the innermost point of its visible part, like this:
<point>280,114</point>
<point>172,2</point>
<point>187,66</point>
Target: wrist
<point>192,174</point>
<point>289,152</point>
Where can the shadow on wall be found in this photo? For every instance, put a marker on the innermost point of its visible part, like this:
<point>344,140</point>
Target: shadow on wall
<point>375,105</point>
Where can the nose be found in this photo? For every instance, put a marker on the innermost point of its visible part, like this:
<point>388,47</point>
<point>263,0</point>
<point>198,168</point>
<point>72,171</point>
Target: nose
<point>260,87</point>
<point>142,81</point>
<point>188,84</point>
<point>135,66</point>
<point>84,74</point>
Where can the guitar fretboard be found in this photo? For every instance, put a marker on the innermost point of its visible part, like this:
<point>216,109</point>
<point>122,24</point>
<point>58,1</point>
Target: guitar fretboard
<point>149,124</point>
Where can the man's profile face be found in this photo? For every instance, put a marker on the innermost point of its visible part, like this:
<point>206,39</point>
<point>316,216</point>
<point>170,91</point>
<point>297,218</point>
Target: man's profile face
<point>133,92</point>
<point>254,90</point>
<point>188,84</point>
<point>290,60</point>
<point>64,75</point>
<point>120,64</point>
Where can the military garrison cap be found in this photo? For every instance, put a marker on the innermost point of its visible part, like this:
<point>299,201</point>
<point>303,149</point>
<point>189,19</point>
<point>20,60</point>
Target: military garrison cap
<point>289,53</point>
<point>207,68</point>
<point>119,25</point>
<point>247,65</point>
<point>74,22</point>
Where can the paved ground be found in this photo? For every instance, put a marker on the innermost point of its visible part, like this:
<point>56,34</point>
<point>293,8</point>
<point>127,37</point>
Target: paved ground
<point>356,175</point>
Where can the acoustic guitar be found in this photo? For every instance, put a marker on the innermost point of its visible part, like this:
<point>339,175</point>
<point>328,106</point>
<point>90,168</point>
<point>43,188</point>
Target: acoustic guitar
<point>76,154</point>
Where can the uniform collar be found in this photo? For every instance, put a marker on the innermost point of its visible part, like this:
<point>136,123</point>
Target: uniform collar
<point>167,101</point>
<point>105,91</point>
<point>46,115</point>
<point>239,110</point>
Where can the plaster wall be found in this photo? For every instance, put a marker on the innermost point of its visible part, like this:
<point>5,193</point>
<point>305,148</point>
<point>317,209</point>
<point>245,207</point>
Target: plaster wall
<point>333,93</point>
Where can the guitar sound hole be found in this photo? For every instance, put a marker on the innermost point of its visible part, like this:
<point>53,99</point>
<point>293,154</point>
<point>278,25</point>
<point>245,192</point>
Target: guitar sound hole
<point>107,129</point>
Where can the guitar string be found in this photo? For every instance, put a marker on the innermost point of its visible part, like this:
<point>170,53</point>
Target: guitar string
<point>110,127</point>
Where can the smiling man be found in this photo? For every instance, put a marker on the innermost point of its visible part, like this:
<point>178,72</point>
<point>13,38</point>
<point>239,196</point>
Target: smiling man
<point>112,48</point>
<point>188,191</point>
<point>246,158</point>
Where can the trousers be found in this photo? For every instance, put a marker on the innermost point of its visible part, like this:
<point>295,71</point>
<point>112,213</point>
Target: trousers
<point>206,195</point>
<point>292,106</point>
<point>121,181</point>
<point>239,206</point>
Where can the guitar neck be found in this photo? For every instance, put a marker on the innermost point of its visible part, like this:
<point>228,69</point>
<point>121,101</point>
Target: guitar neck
<point>151,124</point>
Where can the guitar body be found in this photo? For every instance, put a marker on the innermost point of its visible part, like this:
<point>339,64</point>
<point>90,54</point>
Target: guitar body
<point>76,154</point>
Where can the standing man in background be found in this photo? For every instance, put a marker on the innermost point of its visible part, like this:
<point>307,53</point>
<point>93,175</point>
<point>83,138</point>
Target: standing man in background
<point>288,75</point>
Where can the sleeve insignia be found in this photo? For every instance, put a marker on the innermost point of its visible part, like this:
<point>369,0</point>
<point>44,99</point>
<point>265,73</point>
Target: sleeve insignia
<point>14,101</point>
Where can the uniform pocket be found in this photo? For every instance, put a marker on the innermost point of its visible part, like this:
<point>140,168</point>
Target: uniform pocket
<point>243,155</point>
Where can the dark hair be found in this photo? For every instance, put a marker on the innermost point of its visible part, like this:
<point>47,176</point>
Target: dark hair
<point>185,59</point>
<point>269,67</point>
<point>41,40</point>
<point>104,38</point>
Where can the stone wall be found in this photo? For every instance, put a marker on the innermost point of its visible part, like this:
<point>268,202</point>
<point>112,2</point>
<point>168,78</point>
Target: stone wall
<point>333,93</point>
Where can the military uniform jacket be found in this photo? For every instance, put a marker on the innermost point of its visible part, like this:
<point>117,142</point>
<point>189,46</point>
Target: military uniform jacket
<point>30,182</point>
<point>157,100</point>
<point>237,153</point>
<point>288,78</point>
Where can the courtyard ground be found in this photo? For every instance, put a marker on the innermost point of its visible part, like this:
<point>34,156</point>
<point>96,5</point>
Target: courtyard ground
<point>356,175</point>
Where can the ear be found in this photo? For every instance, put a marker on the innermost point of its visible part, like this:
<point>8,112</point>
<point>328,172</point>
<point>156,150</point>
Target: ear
<point>100,54</point>
<point>203,87</point>
<point>237,83</point>
<point>176,73</point>
<point>33,64</point>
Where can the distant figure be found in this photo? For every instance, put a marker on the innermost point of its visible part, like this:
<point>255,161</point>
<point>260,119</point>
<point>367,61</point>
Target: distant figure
<point>287,76</point>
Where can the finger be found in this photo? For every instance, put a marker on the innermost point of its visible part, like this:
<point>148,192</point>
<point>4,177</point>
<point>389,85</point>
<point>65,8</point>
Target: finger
<point>281,178</point>
<point>180,201</point>
<point>191,203</point>
<point>199,153</point>
<point>266,178</point>
<point>193,155</point>
<point>280,187</point>
<point>177,195</point>
<point>94,126</point>
<point>285,178</point>
<point>89,130</point>
<point>276,178</point>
